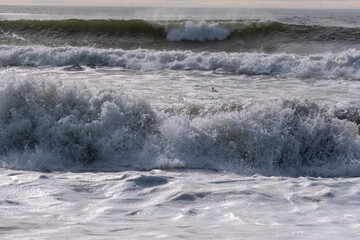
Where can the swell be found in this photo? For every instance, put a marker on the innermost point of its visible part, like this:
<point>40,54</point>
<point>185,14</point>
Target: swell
<point>329,65</point>
<point>73,26</point>
<point>49,126</point>
<point>169,34</point>
<point>298,32</point>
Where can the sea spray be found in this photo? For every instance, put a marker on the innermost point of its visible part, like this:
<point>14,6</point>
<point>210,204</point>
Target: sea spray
<point>50,126</point>
<point>198,32</point>
<point>70,124</point>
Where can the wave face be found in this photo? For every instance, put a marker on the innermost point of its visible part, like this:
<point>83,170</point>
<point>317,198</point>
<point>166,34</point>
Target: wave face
<point>58,28</point>
<point>345,64</point>
<point>130,34</point>
<point>48,126</point>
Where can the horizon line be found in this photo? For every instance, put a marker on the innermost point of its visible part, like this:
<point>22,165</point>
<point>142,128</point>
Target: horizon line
<point>203,7</point>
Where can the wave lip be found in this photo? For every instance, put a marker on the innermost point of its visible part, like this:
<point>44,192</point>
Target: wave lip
<point>198,32</point>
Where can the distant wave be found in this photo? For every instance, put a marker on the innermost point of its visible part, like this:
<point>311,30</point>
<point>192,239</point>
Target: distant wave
<point>345,64</point>
<point>106,33</point>
<point>49,126</point>
<point>74,26</point>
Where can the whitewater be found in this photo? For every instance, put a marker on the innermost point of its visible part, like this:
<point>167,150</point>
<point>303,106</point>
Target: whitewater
<point>147,123</point>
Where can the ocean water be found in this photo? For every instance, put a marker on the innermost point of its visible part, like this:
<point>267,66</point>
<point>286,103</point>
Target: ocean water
<point>160,123</point>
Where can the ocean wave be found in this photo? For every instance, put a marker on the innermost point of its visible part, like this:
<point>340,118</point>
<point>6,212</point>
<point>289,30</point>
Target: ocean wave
<point>329,65</point>
<point>49,126</point>
<point>106,33</point>
<point>73,26</point>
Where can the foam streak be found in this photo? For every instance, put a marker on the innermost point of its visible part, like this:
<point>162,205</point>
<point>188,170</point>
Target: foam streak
<point>328,65</point>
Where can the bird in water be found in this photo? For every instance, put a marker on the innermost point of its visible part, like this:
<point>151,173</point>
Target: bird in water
<point>213,89</point>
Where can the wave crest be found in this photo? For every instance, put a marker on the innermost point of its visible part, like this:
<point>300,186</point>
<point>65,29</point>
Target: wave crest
<point>48,126</point>
<point>198,32</point>
<point>69,126</point>
<point>131,34</point>
<point>345,64</point>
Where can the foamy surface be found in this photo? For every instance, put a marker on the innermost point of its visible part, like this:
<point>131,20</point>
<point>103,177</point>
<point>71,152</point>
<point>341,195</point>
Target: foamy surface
<point>175,204</point>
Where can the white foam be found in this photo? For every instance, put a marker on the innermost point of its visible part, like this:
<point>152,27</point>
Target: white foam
<point>175,204</point>
<point>328,65</point>
<point>198,32</point>
<point>51,126</point>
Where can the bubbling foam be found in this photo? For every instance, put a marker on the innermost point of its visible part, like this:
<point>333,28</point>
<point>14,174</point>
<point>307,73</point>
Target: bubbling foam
<point>70,125</point>
<point>345,64</point>
<point>50,126</point>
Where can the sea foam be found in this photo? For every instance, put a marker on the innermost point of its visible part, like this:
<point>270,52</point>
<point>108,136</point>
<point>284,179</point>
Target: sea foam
<point>329,65</point>
<point>50,126</point>
<point>198,32</point>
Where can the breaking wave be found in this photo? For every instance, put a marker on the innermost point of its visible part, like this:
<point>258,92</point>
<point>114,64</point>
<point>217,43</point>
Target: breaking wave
<point>198,32</point>
<point>329,65</point>
<point>48,126</point>
<point>134,33</point>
